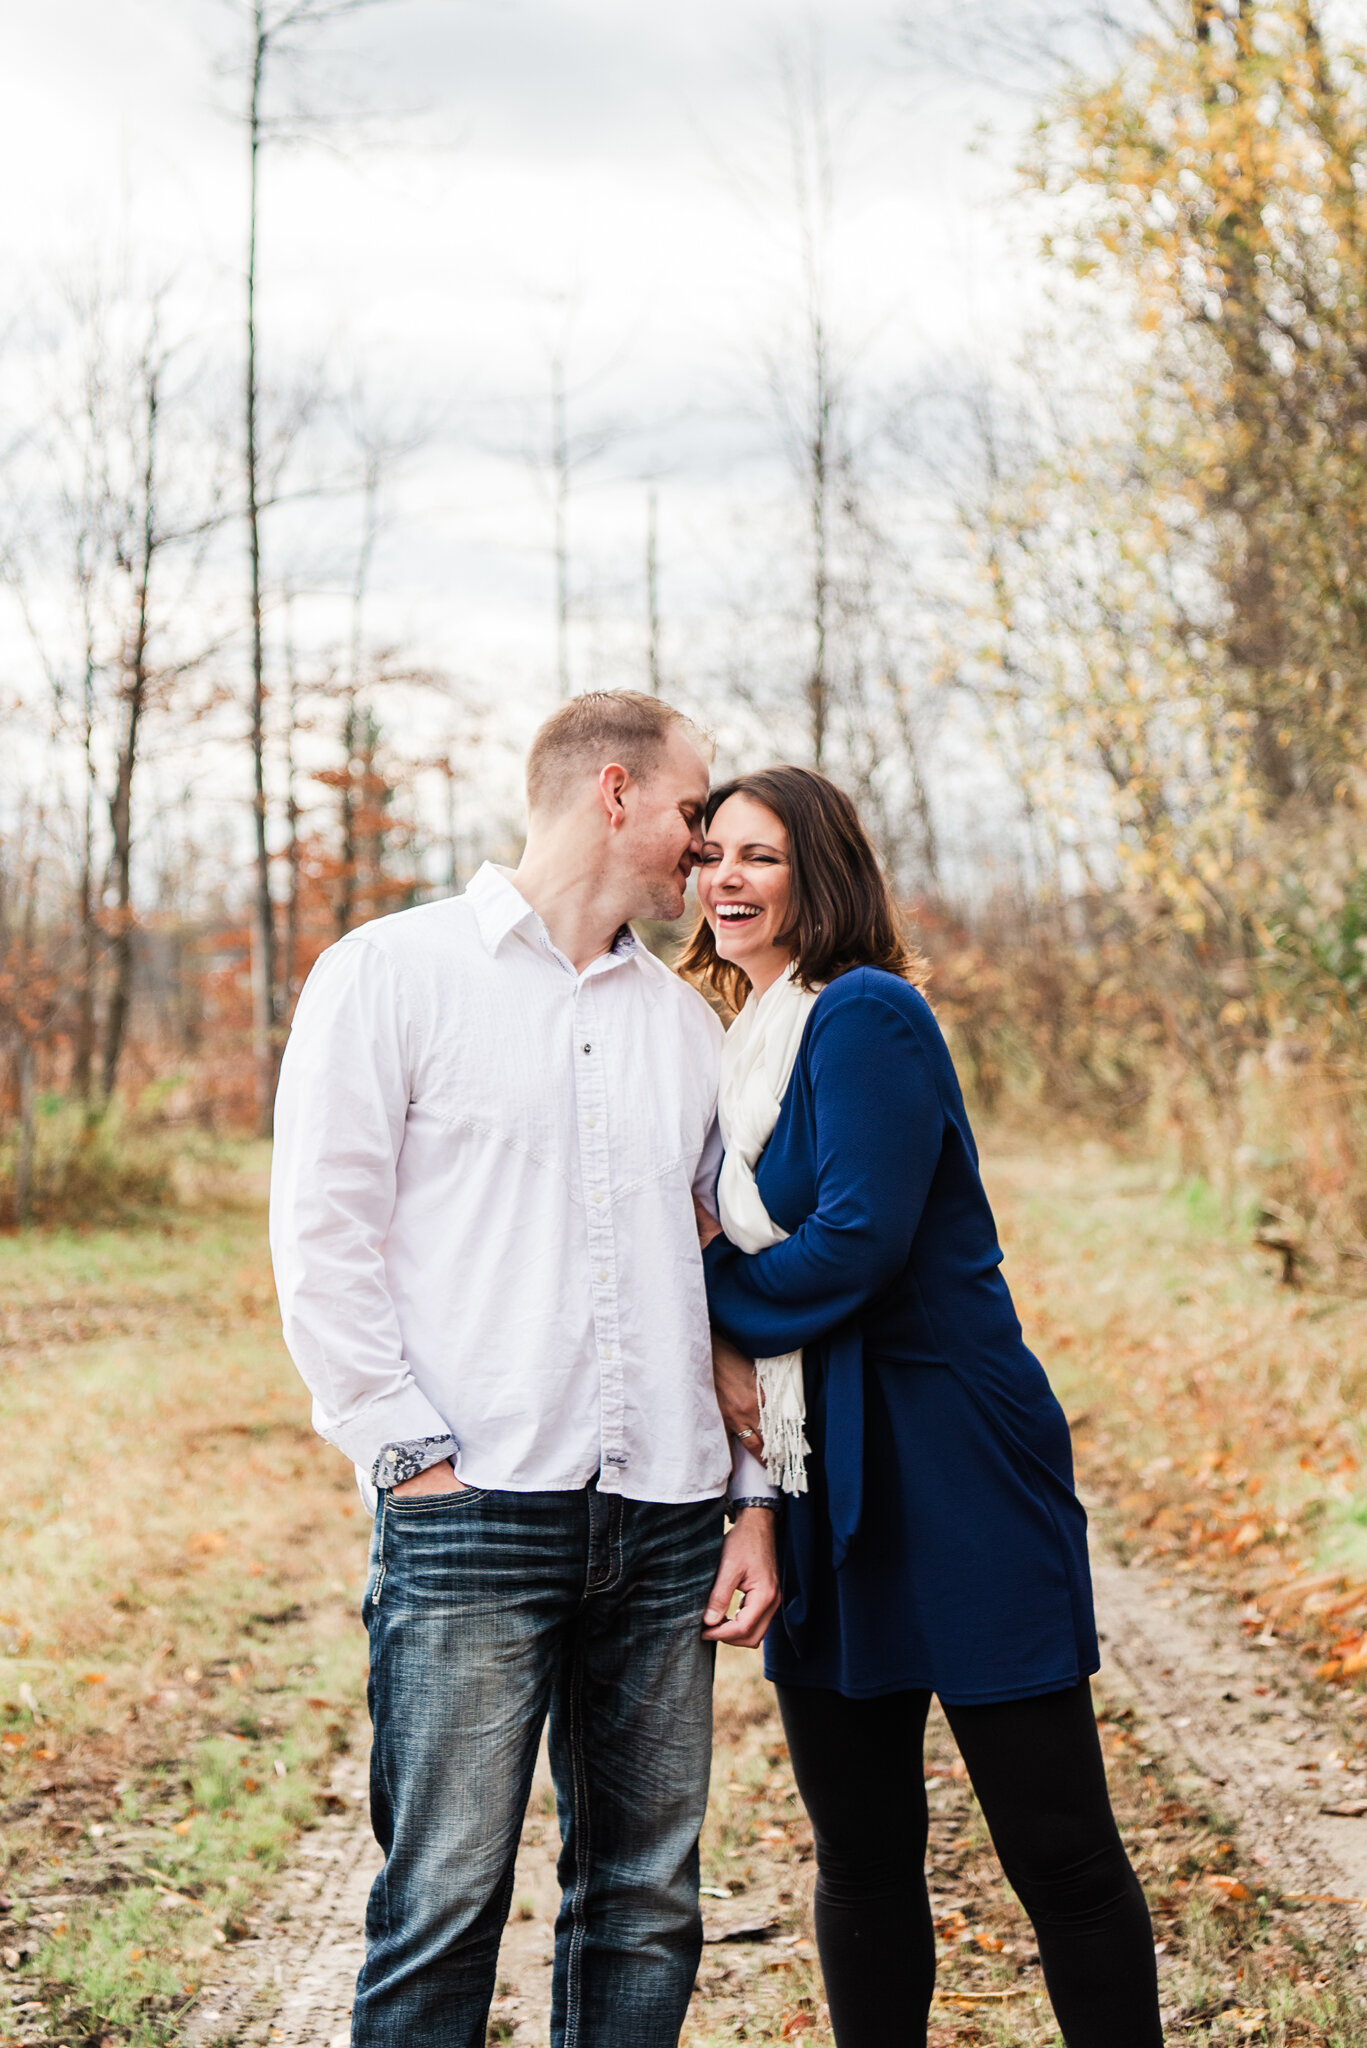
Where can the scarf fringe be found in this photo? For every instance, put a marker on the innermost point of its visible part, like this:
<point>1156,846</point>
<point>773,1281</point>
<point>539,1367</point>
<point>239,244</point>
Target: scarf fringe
<point>757,1062</point>
<point>783,1414</point>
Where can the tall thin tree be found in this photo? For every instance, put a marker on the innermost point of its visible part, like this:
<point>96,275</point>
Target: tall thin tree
<point>808,133</point>
<point>274,31</point>
<point>653,592</point>
<point>146,540</point>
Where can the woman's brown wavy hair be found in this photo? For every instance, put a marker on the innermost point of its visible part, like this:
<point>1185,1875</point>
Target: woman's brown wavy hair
<point>840,912</point>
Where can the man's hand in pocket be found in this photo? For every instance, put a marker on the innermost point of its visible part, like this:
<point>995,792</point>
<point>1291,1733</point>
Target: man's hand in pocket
<point>438,1478</point>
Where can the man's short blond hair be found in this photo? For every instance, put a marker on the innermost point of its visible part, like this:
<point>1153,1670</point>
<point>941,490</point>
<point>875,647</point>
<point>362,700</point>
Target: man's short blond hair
<point>602,726</point>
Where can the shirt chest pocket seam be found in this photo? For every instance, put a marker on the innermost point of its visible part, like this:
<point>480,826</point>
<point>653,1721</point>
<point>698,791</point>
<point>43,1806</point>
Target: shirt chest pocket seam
<point>663,1170</point>
<point>479,1127</point>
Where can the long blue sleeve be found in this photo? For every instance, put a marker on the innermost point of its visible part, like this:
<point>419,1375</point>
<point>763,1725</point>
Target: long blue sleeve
<point>877,1124</point>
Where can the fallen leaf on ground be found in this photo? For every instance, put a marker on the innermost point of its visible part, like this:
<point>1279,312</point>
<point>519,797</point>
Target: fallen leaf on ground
<point>981,1997</point>
<point>742,1930</point>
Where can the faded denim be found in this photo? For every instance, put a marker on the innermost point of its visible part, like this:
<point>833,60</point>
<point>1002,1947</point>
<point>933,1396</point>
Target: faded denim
<point>487,1610</point>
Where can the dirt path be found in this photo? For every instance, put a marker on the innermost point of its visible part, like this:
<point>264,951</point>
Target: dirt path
<point>1229,1706</point>
<point>1222,1709</point>
<point>292,1984</point>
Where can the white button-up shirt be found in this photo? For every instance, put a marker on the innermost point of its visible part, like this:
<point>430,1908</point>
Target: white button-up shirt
<point>482,1203</point>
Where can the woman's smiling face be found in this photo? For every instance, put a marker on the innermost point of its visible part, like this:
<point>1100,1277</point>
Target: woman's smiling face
<point>744,883</point>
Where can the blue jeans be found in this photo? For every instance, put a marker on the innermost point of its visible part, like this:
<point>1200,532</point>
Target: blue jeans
<point>486,1611</point>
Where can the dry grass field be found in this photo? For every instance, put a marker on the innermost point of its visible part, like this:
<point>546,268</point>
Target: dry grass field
<point>181,1567</point>
<point>181,1660</point>
<point>1220,1415</point>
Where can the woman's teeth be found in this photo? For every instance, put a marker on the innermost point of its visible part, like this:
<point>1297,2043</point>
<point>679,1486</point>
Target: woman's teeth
<point>736,913</point>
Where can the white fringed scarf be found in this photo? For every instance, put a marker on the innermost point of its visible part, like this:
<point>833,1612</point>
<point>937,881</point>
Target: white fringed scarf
<point>757,1061</point>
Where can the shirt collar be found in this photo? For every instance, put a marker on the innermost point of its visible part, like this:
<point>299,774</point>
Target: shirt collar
<point>500,908</point>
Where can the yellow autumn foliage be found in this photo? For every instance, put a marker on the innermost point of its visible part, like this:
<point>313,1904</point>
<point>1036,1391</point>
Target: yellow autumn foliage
<point>1169,620</point>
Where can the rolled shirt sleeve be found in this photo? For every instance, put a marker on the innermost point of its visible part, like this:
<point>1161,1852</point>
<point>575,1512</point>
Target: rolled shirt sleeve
<point>709,1168</point>
<point>340,1113</point>
<point>749,1478</point>
<point>398,1462</point>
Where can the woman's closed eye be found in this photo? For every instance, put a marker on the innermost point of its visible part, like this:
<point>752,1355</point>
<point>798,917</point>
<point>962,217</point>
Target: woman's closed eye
<point>710,855</point>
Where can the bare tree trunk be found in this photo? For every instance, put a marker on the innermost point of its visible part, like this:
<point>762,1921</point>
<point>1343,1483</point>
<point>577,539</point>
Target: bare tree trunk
<point>273,29</point>
<point>351,724</point>
<point>29,1009</point>
<point>266,1048</point>
<point>920,795</point>
<point>818,488</point>
<point>452,834</point>
<point>350,852</point>
<point>809,148</point>
<point>23,1160</point>
<point>83,1049</point>
<point>290,963</point>
<point>652,595</point>
<point>372,836</point>
<point>560,464</point>
<point>135,687</point>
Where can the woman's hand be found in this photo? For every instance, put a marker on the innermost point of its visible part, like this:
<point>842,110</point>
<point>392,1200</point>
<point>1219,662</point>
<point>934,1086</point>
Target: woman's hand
<point>708,1226</point>
<point>733,1375</point>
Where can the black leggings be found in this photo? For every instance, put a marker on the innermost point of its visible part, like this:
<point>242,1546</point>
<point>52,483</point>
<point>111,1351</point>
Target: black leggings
<point>1036,1768</point>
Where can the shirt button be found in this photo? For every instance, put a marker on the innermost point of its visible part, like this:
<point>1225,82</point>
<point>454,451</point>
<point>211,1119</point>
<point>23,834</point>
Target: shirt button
<point>607,1351</point>
<point>586,1048</point>
<point>597,1198</point>
<point>603,1274</point>
<point>592,1122</point>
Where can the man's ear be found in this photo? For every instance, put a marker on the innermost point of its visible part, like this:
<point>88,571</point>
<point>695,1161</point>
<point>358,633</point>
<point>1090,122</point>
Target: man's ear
<point>612,786</point>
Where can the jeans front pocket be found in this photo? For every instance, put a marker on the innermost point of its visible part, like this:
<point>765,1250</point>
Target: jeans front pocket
<point>418,1511</point>
<point>432,1503</point>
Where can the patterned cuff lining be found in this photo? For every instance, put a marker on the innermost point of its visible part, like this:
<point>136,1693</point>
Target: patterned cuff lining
<point>398,1462</point>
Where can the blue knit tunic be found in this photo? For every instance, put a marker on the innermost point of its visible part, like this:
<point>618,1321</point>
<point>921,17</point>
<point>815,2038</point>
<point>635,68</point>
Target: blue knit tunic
<point>940,1544</point>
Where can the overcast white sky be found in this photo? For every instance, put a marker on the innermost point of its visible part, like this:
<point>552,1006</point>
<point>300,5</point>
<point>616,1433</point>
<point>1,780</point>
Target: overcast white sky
<point>592,171</point>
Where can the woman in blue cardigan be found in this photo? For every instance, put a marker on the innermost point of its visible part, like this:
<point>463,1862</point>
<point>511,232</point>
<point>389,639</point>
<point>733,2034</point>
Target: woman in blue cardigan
<point>931,1540</point>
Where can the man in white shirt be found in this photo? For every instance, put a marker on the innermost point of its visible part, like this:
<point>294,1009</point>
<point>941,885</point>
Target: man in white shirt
<point>494,1115</point>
